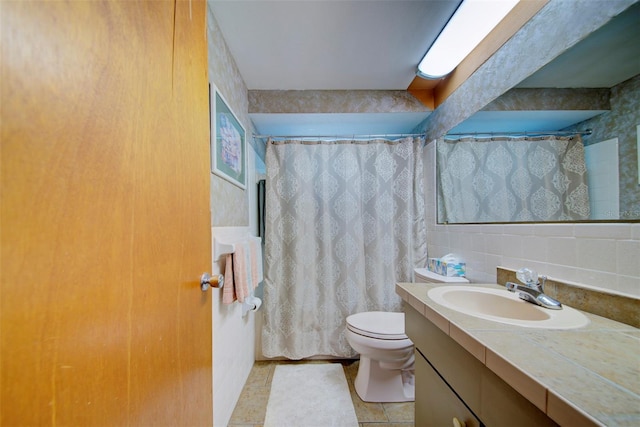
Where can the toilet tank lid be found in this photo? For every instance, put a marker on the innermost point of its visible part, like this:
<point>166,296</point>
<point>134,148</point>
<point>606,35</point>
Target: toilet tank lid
<point>431,277</point>
<point>381,323</point>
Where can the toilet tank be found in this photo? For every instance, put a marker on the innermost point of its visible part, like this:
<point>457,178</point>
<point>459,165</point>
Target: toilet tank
<point>422,275</point>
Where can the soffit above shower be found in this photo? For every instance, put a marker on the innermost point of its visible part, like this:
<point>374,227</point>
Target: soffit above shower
<point>327,124</point>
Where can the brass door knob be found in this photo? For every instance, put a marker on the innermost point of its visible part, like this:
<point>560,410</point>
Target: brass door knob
<point>208,281</point>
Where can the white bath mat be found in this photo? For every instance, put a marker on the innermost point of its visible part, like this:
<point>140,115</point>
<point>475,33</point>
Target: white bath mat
<point>310,395</point>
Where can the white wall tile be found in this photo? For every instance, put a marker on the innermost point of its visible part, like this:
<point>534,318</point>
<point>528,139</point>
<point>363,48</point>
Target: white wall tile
<point>493,244</point>
<point>597,278</point>
<point>519,229</point>
<point>512,245</point>
<point>629,284</point>
<point>603,231</point>
<point>560,272</point>
<point>490,264</point>
<point>555,230</point>
<point>562,250</point>
<point>597,254</point>
<point>478,242</point>
<point>492,228</point>
<point>628,257</point>
<point>535,248</point>
<point>513,263</point>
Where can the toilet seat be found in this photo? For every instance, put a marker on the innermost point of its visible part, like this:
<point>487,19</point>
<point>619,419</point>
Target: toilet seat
<point>378,324</point>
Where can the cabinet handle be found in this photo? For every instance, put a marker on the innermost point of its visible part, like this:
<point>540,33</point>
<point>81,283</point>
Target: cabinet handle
<point>458,423</point>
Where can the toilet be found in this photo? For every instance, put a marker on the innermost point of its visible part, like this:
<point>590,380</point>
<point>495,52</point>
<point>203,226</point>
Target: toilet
<point>386,356</point>
<point>386,372</point>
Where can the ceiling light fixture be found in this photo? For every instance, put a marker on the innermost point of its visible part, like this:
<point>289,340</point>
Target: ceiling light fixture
<point>468,26</point>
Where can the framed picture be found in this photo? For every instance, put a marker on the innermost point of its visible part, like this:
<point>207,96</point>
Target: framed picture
<point>228,145</point>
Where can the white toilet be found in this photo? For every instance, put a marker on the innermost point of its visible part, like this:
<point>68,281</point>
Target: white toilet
<point>386,372</point>
<point>386,356</point>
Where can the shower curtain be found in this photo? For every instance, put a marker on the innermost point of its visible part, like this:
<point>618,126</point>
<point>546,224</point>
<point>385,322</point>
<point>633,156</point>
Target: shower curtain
<point>512,179</point>
<point>344,223</point>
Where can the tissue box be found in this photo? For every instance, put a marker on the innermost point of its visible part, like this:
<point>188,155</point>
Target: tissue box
<point>445,268</point>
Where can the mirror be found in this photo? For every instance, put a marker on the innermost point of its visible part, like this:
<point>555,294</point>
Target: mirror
<point>594,85</point>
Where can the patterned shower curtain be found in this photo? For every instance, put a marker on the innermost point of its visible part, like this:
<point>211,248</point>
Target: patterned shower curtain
<point>344,223</point>
<point>512,180</point>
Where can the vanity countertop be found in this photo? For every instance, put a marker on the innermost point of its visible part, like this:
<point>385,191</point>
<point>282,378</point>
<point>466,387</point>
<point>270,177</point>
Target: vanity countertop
<point>584,376</point>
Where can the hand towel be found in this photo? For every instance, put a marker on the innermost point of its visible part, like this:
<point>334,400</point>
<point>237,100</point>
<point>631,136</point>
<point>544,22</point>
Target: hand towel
<point>255,245</point>
<point>240,276</point>
<point>228,290</point>
<point>243,271</point>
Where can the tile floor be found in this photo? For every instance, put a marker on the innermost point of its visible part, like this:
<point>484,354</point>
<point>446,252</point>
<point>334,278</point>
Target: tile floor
<point>252,404</point>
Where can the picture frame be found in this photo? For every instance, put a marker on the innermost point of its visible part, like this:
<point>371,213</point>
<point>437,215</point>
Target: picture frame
<point>228,142</point>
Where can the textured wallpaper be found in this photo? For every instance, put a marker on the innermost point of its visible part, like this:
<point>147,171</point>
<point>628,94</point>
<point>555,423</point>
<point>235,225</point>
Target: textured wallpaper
<point>229,203</point>
<point>551,99</point>
<point>333,101</point>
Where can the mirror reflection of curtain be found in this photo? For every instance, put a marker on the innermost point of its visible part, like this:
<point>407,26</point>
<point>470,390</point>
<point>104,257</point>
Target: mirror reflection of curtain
<point>345,222</point>
<point>512,180</point>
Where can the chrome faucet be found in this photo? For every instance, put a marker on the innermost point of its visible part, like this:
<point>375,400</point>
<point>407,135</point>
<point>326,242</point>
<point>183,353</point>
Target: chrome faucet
<point>532,290</point>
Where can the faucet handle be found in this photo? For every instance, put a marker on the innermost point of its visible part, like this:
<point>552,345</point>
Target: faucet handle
<point>527,276</point>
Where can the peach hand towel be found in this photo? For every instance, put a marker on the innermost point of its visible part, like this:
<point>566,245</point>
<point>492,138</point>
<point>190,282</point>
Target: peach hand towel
<point>228,290</point>
<point>240,276</point>
<point>243,271</point>
<point>255,246</point>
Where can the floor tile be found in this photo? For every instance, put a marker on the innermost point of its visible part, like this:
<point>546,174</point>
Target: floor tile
<point>399,412</point>
<point>251,407</point>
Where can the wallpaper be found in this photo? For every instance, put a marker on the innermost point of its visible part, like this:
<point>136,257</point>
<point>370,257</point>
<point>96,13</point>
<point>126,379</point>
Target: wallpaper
<point>333,101</point>
<point>551,100</point>
<point>229,203</point>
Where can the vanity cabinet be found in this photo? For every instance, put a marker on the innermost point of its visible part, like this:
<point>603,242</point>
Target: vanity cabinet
<point>439,405</point>
<point>451,382</point>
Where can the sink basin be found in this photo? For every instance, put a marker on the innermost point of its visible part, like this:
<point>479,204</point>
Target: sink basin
<point>500,305</point>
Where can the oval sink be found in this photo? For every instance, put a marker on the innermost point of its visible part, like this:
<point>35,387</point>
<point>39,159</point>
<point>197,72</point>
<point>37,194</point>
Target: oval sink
<point>500,305</point>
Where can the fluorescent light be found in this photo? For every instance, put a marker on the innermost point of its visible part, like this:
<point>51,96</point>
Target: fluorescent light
<point>468,26</point>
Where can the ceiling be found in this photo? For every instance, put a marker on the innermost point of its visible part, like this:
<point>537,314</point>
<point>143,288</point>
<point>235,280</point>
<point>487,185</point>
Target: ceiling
<point>331,45</point>
<point>376,45</point>
<point>325,45</point>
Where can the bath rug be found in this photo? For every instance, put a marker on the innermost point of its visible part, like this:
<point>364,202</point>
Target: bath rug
<point>310,395</point>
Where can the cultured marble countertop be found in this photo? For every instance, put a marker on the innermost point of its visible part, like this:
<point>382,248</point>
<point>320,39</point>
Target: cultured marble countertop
<point>584,376</point>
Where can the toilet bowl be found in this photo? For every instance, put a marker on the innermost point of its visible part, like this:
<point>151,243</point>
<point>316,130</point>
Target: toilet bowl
<point>386,371</point>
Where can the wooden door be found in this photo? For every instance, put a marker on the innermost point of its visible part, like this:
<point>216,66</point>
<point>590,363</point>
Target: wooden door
<point>105,221</point>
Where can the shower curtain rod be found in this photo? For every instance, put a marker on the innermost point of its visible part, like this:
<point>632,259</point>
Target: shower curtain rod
<point>338,136</point>
<point>526,133</point>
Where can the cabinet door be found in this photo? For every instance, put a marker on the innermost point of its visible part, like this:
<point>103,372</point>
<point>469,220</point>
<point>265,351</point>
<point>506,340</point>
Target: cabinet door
<point>438,405</point>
